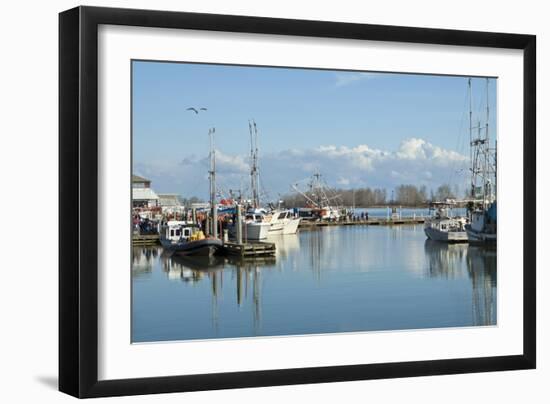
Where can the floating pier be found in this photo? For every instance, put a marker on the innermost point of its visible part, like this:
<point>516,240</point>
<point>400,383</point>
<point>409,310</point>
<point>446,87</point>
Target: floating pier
<point>145,240</point>
<point>371,222</point>
<point>250,250</point>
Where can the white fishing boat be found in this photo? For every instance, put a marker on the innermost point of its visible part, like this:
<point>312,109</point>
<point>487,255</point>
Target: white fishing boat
<point>254,227</point>
<point>443,226</point>
<point>282,222</point>
<point>257,220</point>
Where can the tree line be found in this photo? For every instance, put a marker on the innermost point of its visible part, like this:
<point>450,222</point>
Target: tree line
<point>403,195</point>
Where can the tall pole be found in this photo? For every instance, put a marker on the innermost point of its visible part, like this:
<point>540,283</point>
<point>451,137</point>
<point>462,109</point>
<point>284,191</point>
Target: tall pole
<point>256,158</point>
<point>239,225</point>
<point>254,174</point>
<point>252,163</point>
<point>488,180</point>
<point>488,145</point>
<point>213,208</point>
<point>472,190</point>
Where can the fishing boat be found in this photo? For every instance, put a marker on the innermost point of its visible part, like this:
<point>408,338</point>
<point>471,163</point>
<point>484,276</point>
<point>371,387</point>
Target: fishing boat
<point>282,222</point>
<point>483,207</point>
<point>483,228</point>
<point>320,199</point>
<point>443,226</point>
<point>254,227</point>
<point>260,222</point>
<point>187,239</point>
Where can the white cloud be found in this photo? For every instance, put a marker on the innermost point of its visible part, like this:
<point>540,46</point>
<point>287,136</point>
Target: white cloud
<point>416,149</point>
<point>343,181</point>
<point>231,164</point>
<point>347,78</point>
<point>416,161</point>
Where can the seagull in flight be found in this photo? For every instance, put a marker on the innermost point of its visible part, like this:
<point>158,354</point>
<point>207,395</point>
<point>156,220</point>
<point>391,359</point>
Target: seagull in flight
<point>195,109</point>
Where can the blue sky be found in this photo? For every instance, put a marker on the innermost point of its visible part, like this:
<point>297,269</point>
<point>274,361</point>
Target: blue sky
<point>357,128</point>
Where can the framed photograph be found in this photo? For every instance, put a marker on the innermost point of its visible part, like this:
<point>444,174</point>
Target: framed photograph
<point>250,201</point>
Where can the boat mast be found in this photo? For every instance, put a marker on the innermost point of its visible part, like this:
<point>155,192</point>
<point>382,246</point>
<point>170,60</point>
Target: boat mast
<point>491,153</point>
<point>254,172</point>
<point>481,155</point>
<point>472,186</point>
<point>317,188</point>
<point>490,177</point>
<point>212,177</point>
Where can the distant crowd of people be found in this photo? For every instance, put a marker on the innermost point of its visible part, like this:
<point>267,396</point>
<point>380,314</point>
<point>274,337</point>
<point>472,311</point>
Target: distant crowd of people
<point>353,217</point>
<point>144,226</point>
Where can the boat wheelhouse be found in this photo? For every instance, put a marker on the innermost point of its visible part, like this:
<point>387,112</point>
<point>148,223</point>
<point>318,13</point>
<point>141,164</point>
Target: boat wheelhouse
<point>186,238</point>
<point>442,225</point>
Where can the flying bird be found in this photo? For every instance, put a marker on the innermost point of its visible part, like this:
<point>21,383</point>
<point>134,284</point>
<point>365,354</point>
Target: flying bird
<point>195,109</point>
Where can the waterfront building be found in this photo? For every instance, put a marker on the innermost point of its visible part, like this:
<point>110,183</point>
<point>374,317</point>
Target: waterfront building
<point>171,203</point>
<point>142,194</point>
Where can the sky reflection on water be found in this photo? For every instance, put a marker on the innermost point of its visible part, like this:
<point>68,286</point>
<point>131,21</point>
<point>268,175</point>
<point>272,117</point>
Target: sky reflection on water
<point>333,279</point>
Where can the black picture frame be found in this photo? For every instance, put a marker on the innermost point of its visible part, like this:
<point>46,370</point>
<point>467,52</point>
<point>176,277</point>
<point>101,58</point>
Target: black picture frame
<point>78,193</point>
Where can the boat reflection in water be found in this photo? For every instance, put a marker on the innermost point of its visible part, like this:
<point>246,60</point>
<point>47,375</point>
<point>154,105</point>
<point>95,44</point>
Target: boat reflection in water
<point>190,269</point>
<point>331,279</point>
<point>243,273</point>
<point>478,264</point>
<point>143,259</point>
<point>482,268</point>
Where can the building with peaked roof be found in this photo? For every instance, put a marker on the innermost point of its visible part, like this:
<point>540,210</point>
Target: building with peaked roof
<point>142,194</point>
<point>140,182</point>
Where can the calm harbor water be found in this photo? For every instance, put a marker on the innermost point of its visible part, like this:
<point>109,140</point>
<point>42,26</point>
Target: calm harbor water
<point>331,279</point>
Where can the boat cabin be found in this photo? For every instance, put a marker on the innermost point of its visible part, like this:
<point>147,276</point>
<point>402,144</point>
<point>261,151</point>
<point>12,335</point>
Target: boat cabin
<point>283,214</point>
<point>176,230</point>
<point>441,210</point>
<point>253,217</point>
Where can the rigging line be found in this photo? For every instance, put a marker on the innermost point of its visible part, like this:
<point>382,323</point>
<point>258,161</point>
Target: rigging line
<point>263,189</point>
<point>480,109</point>
<point>461,135</point>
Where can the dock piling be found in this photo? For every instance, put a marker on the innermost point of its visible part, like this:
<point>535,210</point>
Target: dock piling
<point>239,226</point>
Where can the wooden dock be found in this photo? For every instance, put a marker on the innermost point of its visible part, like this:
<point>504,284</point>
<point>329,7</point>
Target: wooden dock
<point>249,250</point>
<point>371,222</point>
<point>145,240</point>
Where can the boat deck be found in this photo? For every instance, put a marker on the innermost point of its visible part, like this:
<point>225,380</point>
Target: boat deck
<point>145,240</point>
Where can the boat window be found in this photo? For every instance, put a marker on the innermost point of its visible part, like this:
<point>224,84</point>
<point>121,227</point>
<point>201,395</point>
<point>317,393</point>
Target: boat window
<point>172,233</point>
<point>187,232</point>
<point>178,232</point>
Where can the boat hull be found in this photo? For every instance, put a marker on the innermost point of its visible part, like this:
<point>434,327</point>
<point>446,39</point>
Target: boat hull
<point>255,231</point>
<point>476,237</point>
<point>288,227</point>
<point>446,236</point>
<point>203,248</point>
